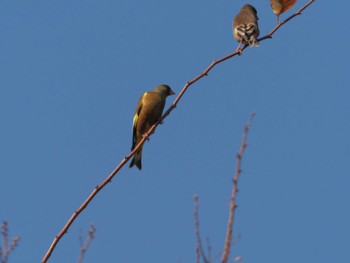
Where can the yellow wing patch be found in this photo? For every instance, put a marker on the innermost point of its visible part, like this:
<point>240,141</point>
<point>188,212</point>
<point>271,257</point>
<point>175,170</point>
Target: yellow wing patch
<point>138,109</point>
<point>143,97</point>
<point>134,122</point>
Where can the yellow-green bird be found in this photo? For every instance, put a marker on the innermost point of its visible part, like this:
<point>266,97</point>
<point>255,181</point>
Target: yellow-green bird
<point>148,111</point>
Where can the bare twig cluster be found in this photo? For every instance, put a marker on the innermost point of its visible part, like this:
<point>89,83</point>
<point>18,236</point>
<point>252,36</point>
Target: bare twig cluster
<point>7,248</point>
<point>109,178</point>
<point>232,207</point>
<point>84,245</point>
<point>199,248</point>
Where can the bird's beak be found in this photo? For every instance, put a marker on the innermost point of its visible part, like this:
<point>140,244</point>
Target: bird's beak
<point>171,92</point>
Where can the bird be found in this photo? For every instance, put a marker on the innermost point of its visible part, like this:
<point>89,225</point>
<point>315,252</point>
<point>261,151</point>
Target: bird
<point>245,26</point>
<point>148,111</point>
<point>281,6</point>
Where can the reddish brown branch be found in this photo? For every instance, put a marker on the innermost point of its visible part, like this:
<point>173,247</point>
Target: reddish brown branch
<point>85,246</point>
<point>196,230</point>
<point>151,130</point>
<point>232,207</point>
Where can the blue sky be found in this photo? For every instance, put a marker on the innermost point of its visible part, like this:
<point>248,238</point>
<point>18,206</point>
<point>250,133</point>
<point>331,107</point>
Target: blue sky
<point>71,75</point>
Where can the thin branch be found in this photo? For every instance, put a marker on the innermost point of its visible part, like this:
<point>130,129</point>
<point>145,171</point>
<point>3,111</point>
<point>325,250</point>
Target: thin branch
<point>198,256</point>
<point>14,243</point>
<point>8,248</point>
<point>4,232</point>
<point>232,207</point>
<point>196,230</point>
<point>209,249</point>
<point>148,134</point>
<point>85,246</point>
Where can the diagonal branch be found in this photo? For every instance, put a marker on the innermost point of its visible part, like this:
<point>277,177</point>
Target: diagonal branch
<point>109,178</point>
<point>232,207</point>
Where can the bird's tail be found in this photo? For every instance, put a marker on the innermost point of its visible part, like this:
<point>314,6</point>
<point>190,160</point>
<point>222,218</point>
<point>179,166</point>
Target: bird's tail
<point>136,160</point>
<point>253,42</point>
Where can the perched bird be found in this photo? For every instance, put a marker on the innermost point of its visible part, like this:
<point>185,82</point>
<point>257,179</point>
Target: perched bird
<point>245,26</point>
<point>148,111</point>
<point>281,6</point>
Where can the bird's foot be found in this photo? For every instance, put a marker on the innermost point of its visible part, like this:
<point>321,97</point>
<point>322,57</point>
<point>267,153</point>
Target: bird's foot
<point>239,50</point>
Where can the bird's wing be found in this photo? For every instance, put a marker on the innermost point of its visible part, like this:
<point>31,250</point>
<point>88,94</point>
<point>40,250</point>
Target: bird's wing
<point>135,120</point>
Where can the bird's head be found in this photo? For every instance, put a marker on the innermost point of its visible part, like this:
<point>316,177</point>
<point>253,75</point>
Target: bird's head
<point>250,7</point>
<point>164,90</point>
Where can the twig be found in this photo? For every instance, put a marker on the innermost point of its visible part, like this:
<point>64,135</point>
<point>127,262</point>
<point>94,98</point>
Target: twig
<point>196,230</point>
<point>8,248</point>
<point>4,232</point>
<point>148,134</point>
<point>14,243</point>
<point>209,249</point>
<point>85,246</point>
<point>232,207</point>
<point>198,256</point>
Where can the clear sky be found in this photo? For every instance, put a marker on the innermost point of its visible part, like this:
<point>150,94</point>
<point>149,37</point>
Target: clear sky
<point>71,74</point>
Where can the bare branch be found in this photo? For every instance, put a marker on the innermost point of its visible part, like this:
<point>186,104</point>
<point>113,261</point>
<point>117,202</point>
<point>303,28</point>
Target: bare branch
<point>109,178</point>
<point>8,248</point>
<point>232,207</point>
<point>85,246</point>
<point>196,229</point>
<point>4,232</point>
<point>197,255</point>
<point>209,249</point>
<point>14,243</point>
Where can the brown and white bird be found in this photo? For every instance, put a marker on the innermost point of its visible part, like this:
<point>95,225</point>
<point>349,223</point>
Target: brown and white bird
<point>281,6</point>
<point>148,111</point>
<point>245,26</point>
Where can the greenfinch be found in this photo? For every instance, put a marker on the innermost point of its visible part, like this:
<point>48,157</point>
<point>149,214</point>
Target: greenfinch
<point>281,6</point>
<point>245,26</point>
<point>148,111</point>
